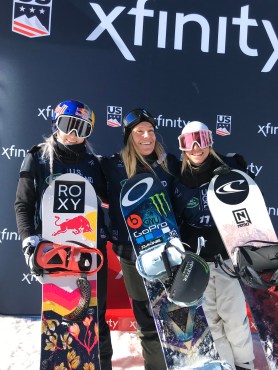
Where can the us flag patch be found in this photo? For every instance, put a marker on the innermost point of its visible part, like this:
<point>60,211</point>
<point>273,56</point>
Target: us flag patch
<point>32,18</point>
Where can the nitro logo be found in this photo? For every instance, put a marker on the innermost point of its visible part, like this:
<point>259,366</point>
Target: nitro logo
<point>69,197</point>
<point>12,151</point>
<point>31,18</point>
<point>114,116</point>
<point>268,129</point>
<point>242,218</point>
<point>160,203</point>
<point>238,25</point>
<point>45,113</point>
<point>223,125</point>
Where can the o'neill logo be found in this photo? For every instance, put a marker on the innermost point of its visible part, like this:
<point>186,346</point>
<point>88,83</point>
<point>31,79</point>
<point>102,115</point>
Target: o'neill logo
<point>114,116</point>
<point>223,125</point>
<point>32,18</point>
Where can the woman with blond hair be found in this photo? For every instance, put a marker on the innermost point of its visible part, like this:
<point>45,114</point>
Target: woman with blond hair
<point>141,153</point>
<point>224,303</point>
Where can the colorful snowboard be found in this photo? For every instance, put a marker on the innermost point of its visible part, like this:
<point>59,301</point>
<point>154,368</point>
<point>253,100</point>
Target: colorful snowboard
<point>239,211</point>
<point>185,338</point>
<point>69,338</point>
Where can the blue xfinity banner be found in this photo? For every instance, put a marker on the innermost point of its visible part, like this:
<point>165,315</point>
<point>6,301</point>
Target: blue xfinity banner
<point>214,61</point>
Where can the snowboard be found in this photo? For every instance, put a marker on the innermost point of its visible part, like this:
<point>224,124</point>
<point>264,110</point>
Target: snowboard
<point>183,331</point>
<point>68,256</point>
<point>240,214</point>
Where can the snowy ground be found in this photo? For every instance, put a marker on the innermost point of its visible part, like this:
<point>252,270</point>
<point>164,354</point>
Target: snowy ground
<point>20,346</point>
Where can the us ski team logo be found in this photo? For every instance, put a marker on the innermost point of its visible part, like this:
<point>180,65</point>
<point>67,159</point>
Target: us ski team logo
<point>223,125</point>
<point>114,116</point>
<point>32,18</point>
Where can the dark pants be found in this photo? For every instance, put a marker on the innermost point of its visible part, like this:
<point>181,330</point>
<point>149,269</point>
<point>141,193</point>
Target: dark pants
<point>151,346</point>
<point>105,345</point>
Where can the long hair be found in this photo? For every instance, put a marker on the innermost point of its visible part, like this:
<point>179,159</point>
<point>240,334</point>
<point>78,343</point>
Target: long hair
<point>131,156</point>
<point>48,150</point>
<point>186,163</point>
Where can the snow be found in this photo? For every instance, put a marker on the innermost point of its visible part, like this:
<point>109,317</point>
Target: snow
<point>20,346</point>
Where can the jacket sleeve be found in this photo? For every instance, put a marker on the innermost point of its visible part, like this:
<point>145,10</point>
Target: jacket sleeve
<point>25,205</point>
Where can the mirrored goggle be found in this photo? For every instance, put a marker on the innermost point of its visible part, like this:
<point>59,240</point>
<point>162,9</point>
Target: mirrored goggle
<point>67,124</point>
<point>137,116</point>
<point>187,140</point>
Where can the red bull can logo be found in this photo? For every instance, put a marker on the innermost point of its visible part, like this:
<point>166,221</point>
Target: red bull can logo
<point>77,225</point>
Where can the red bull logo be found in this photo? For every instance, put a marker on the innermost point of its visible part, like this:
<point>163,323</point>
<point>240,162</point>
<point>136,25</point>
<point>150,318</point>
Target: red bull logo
<point>76,225</point>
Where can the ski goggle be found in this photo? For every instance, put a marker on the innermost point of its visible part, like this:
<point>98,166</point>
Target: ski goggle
<point>187,140</point>
<point>137,116</point>
<point>67,124</point>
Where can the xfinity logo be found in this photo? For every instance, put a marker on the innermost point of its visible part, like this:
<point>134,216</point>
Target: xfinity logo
<point>9,235</point>
<point>228,188</point>
<point>243,24</point>
<point>268,129</point>
<point>12,151</point>
<point>45,113</point>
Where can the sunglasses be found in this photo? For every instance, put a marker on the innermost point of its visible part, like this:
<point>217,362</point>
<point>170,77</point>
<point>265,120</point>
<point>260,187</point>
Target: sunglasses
<point>187,140</point>
<point>67,124</point>
<point>137,116</point>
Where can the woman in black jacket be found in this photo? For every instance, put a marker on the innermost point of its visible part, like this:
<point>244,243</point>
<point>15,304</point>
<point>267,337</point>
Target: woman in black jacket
<point>141,153</point>
<point>65,151</point>
<point>224,303</point>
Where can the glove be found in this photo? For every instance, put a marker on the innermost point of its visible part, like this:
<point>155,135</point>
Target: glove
<point>28,246</point>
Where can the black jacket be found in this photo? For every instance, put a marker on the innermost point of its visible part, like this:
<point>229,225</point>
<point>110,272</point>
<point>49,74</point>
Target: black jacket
<point>34,178</point>
<point>196,217</point>
<point>115,173</point>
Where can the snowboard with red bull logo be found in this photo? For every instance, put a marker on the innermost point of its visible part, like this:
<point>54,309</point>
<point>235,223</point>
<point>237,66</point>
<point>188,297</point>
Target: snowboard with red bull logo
<point>70,260</point>
<point>183,331</point>
<point>240,214</point>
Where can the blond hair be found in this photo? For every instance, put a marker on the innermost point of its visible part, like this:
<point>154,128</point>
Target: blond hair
<point>130,156</point>
<point>186,162</point>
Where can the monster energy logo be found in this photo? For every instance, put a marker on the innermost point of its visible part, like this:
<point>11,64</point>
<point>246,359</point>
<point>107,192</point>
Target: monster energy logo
<point>160,203</point>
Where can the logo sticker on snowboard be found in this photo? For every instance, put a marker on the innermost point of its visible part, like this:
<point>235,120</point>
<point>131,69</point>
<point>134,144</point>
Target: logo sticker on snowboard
<point>69,197</point>
<point>231,188</point>
<point>242,218</point>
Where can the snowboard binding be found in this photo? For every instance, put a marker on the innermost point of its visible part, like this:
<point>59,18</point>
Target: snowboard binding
<point>60,260</point>
<point>255,265</point>
<point>184,274</point>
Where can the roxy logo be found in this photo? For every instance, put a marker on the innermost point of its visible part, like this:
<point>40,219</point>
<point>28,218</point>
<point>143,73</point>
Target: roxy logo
<point>243,25</point>
<point>31,18</point>
<point>241,217</point>
<point>69,197</point>
<point>268,129</point>
<point>12,151</point>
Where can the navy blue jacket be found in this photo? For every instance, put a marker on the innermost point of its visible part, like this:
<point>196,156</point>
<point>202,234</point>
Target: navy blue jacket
<point>196,217</point>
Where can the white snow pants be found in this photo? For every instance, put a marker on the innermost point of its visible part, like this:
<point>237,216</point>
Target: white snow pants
<point>225,309</point>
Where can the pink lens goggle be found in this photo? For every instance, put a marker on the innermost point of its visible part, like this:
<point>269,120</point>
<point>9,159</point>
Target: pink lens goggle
<point>187,140</point>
